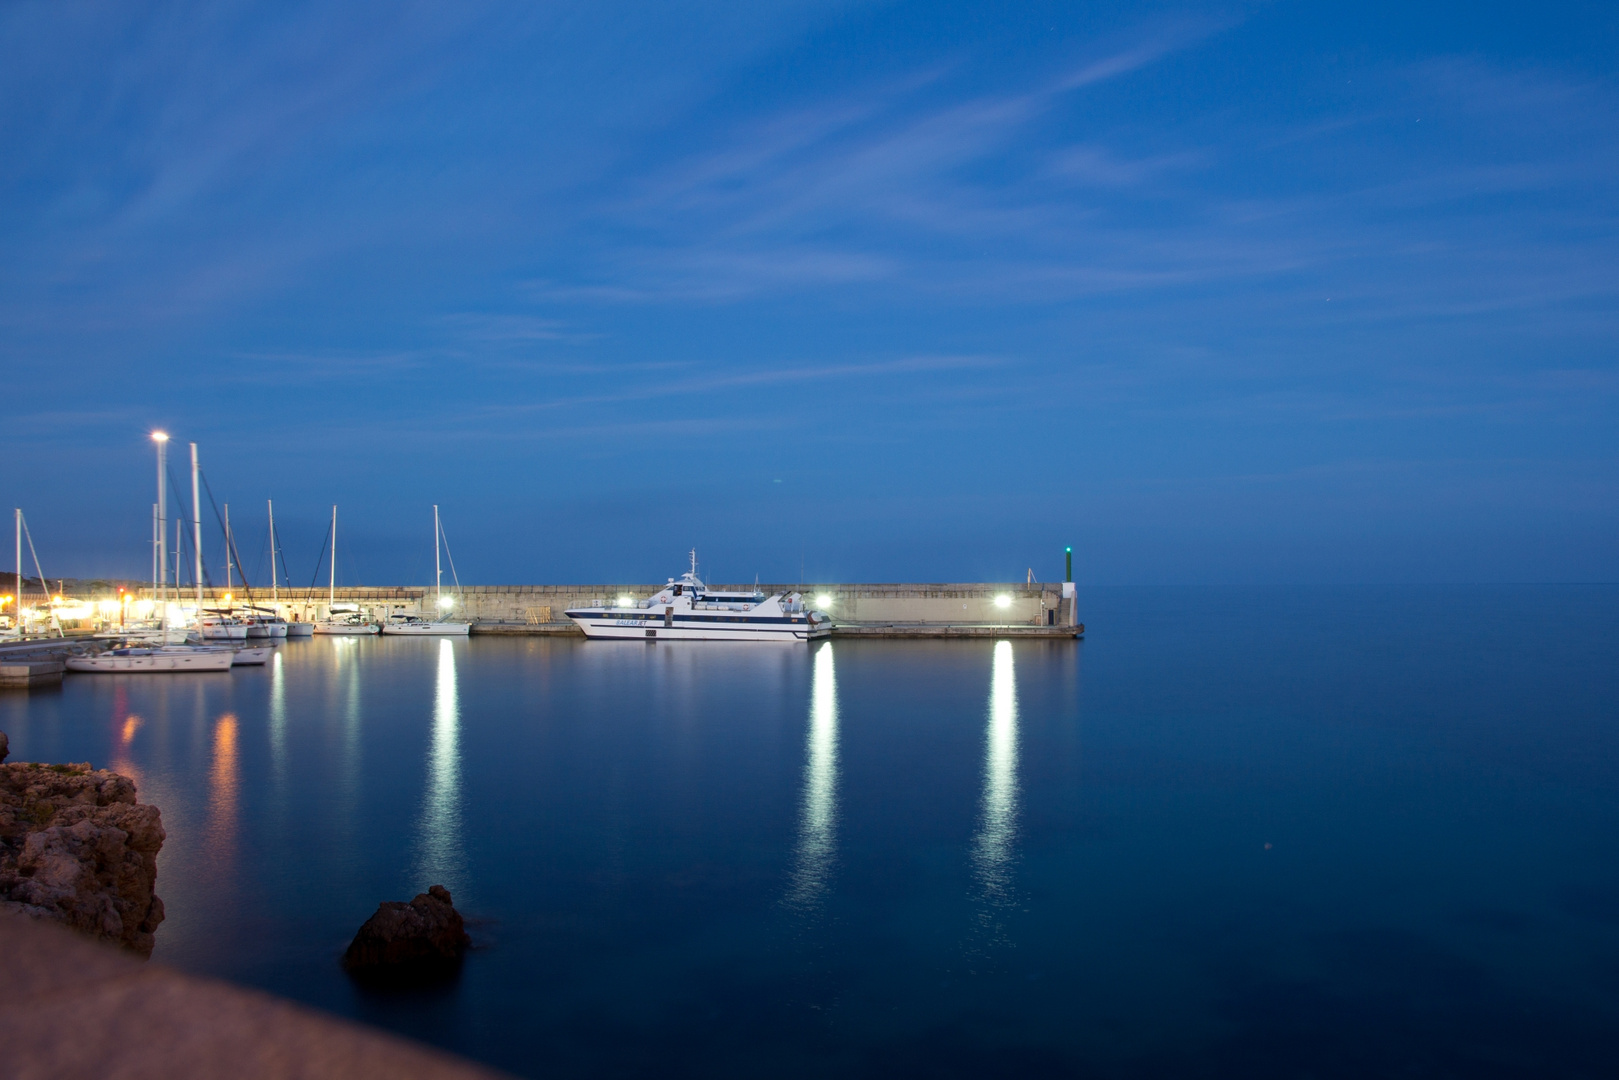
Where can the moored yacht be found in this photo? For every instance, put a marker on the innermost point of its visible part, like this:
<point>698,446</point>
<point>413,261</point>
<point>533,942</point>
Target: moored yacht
<point>407,625</point>
<point>346,620</point>
<point>221,626</point>
<point>415,625</point>
<point>157,659</point>
<point>687,610</point>
<point>342,619</point>
<point>265,623</point>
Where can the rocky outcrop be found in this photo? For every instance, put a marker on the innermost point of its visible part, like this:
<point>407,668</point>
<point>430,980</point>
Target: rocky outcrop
<point>76,848</point>
<point>423,938</point>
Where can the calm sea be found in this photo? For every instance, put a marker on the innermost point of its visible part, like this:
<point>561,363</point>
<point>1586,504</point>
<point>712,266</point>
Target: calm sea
<point>1287,832</point>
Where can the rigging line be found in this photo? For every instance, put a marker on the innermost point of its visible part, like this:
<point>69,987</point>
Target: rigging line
<point>230,541</point>
<point>258,560</point>
<point>188,541</point>
<point>456,577</point>
<point>186,538</point>
<point>278,551</point>
<point>321,559</point>
<point>26,531</point>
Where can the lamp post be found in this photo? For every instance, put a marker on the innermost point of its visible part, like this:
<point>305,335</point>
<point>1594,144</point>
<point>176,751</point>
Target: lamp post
<point>162,440</point>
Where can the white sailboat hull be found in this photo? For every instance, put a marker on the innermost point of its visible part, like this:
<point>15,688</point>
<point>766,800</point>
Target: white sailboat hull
<point>300,630</point>
<point>223,633</point>
<point>346,629</point>
<point>155,662</point>
<point>428,629</point>
<point>258,654</point>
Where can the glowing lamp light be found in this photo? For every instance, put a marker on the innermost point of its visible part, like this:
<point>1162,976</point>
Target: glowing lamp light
<point>445,601</point>
<point>1003,601</point>
<point>626,601</point>
<point>160,436</point>
<point>227,598</point>
<point>823,599</point>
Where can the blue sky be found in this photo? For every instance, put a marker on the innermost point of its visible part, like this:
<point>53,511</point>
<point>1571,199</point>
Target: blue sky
<point>914,291</point>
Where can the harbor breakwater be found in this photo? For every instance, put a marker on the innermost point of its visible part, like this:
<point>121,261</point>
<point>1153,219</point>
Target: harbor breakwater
<point>1043,608</point>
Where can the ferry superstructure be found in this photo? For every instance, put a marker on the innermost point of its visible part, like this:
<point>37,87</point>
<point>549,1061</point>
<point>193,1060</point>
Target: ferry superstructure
<point>687,610</point>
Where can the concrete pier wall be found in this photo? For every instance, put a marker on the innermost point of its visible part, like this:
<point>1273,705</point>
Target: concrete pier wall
<point>966,603</point>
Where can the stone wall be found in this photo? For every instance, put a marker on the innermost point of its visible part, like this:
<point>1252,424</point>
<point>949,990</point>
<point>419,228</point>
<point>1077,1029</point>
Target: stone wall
<point>984,602</point>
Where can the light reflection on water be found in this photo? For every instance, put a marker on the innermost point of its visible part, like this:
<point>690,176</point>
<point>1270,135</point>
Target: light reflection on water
<point>278,721</point>
<point>994,847</point>
<point>223,796</point>
<point>818,815</point>
<point>440,859</point>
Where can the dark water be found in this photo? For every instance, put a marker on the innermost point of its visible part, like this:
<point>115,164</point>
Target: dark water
<point>1330,832</point>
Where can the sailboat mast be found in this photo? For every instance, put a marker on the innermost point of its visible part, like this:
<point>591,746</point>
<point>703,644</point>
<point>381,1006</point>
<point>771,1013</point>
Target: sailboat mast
<point>273,595</point>
<point>438,571</point>
<point>17,600</point>
<point>196,527</point>
<point>228,546</point>
<point>331,596</point>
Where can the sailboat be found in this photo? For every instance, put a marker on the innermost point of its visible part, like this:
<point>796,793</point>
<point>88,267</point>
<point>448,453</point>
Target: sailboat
<point>415,625</point>
<point>212,624</point>
<point>297,628</point>
<point>16,629</point>
<point>346,620</point>
<point>156,658</point>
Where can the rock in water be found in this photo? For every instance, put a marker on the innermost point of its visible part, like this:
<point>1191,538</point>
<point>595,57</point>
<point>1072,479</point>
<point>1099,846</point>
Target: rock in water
<point>76,848</point>
<point>5,746</point>
<point>425,937</point>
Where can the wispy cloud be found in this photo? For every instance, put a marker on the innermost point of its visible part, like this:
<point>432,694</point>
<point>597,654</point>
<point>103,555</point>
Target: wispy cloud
<point>841,192</point>
<point>911,187</point>
<point>752,378</point>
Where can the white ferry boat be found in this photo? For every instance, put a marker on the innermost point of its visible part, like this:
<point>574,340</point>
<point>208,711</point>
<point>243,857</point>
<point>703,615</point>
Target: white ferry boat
<point>686,610</point>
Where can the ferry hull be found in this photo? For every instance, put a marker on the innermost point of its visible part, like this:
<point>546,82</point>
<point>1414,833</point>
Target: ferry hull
<point>654,630</point>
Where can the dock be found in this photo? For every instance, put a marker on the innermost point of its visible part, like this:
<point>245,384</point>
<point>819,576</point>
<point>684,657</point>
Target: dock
<point>31,664</point>
<point>960,610</point>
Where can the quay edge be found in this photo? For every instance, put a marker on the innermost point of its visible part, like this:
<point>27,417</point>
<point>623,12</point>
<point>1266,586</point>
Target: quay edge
<point>948,609</point>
